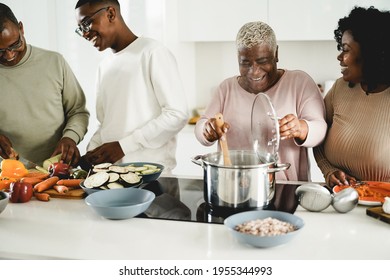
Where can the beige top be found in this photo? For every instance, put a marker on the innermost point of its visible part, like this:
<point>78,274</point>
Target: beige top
<point>358,138</point>
<point>41,102</point>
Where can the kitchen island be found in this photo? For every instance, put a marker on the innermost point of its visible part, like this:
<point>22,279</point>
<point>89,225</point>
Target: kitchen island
<point>69,229</point>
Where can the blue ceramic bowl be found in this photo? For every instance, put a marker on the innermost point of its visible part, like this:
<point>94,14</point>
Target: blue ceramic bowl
<point>119,204</point>
<point>263,241</point>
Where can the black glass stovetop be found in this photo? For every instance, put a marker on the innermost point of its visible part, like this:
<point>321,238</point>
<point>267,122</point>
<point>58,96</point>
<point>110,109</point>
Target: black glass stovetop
<point>182,200</point>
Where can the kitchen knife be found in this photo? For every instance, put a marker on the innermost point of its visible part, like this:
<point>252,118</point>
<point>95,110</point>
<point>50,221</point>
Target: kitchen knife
<point>28,164</point>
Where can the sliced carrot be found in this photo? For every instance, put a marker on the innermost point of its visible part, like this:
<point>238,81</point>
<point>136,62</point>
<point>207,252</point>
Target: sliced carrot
<point>46,184</point>
<point>42,196</point>
<point>61,188</point>
<point>32,180</point>
<point>382,185</point>
<point>370,190</point>
<point>72,183</point>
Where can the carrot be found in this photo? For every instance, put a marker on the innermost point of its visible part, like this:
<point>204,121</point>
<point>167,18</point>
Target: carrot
<point>38,174</point>
<point>71,183</point>
<point>61,188</point>
<point>42,196</point>
<point>46,184</point>
<point>32,180</point>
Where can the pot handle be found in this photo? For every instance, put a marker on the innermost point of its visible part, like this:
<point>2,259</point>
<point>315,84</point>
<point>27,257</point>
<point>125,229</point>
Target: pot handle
<point>279,167</point>
<point>196,160</point>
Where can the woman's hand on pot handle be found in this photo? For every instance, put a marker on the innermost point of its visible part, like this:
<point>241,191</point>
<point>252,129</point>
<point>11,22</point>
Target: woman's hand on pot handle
<point>212,132</point>
<point>339,178</point>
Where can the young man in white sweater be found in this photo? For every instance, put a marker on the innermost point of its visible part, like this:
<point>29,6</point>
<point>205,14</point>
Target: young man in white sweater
<point>140,100</point>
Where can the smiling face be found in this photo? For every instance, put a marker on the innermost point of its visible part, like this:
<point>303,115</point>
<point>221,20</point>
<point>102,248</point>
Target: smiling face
<point>258,68</point>
<point>350,59</point>
<point>12,43</point>
<point>97,18</point>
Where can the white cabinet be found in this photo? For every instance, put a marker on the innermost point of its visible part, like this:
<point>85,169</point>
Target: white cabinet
<point>312,20</point>
<point>292,20</point>
<point>188,147</point>
<point>217,20</point>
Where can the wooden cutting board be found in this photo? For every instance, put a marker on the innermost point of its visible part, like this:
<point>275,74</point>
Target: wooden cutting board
<point>377,212</point>
<point>72,194</point>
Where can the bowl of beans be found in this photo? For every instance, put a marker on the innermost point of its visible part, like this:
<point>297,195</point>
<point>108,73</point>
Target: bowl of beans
<point>264,228</point>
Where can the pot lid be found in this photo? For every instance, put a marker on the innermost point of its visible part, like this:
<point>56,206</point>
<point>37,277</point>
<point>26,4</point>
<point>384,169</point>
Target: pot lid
<point>265,128</point>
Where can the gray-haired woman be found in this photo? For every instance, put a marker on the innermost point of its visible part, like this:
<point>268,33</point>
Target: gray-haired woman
<point>294,94</point>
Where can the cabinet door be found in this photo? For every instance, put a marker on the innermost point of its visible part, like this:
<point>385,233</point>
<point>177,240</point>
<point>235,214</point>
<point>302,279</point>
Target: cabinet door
<point>312,20</point>
<point>217,20</point>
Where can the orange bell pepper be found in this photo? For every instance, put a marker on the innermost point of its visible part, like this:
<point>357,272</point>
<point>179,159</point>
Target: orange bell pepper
<point>13,168</point>
<point>5,182</point>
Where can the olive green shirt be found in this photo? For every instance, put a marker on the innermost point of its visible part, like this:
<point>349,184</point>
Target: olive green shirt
<point>41,101</point>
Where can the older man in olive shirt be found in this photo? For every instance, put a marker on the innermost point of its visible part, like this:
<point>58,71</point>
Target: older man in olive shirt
<point>43,109</point>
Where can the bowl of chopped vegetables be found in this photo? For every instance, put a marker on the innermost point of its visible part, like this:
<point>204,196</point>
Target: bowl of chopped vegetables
<point>107,176</point>
<point>264,228</point>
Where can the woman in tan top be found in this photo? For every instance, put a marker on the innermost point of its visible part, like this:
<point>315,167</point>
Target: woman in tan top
<point>357,146</point>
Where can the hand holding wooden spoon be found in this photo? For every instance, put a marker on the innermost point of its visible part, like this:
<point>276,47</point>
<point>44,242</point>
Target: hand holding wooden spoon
<point>222,140</point>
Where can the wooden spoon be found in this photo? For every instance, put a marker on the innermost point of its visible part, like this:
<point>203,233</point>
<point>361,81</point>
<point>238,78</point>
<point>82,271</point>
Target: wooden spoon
<point>222,141</point>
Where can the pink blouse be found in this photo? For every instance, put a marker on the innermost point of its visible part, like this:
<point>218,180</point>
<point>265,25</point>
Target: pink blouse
<point>295,93</point>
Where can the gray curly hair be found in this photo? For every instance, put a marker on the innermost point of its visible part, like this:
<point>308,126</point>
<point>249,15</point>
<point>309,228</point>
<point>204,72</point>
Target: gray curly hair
<point>256,33</point>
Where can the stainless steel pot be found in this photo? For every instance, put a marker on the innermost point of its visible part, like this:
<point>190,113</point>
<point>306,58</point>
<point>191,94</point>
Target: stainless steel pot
<point>248,183</point>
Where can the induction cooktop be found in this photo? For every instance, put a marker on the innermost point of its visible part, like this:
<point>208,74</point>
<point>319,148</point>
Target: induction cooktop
<point>182,199</point>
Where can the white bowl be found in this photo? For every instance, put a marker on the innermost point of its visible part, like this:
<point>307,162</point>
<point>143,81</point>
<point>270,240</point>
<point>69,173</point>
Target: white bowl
<point>119,204</point>
<point>4,199</point>
<point>263,241</point>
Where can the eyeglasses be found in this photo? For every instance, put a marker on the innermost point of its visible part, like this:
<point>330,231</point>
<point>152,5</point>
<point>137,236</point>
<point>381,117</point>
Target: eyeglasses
<point>85,26</point>
<point>14,47</point>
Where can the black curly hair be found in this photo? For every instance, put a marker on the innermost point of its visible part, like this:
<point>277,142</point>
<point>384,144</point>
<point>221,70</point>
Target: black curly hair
<point>370,28</point>
<point>6,14</point>
<point>82,2</point>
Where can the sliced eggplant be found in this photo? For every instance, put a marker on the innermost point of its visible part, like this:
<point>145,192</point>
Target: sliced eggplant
<point>104,165</point>
<point>113,177</point>
<point>149,171</point>
<point>130,178</point>
<point>115,185</point>
<point>118,169</point>
<point>96,170</point>
<point>131,168</point>
<point>151,166</point>
<point>96,180</point>
<point>140,168</point>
